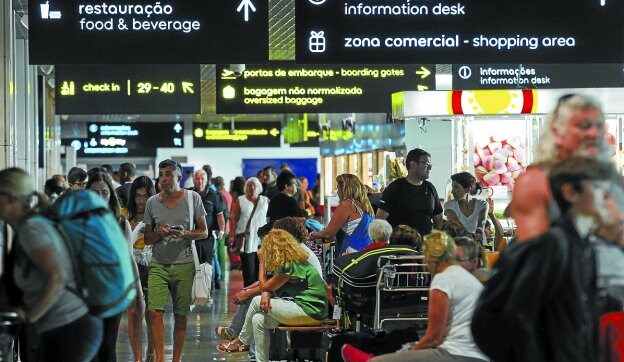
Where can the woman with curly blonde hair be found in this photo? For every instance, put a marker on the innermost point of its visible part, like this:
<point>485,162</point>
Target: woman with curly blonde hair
<point>303,301</point>
<point>453,290</point>
<point>353,215</point>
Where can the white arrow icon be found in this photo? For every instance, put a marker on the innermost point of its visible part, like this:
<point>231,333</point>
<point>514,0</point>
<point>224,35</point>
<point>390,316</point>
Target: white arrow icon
<point>247,5</point>
<point>177,128</point>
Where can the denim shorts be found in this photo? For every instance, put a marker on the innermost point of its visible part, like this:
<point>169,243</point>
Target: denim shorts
<point>174,279</point>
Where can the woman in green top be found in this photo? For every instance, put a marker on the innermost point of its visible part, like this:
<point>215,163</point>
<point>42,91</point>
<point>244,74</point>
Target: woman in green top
<point>304,300</point>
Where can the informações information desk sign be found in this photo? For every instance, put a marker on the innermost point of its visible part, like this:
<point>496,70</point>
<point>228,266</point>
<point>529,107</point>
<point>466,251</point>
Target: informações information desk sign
<point>537,76</point>
<point>128,89</point>
<point>454,31</point>
<point>127,139</point>
<point>148,31</point>
<point>285,87</point>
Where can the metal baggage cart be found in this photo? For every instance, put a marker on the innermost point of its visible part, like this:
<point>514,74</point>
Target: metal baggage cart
<point>407,277</point>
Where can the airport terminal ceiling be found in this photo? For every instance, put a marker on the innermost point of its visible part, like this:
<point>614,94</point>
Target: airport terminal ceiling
<point>281,47</point>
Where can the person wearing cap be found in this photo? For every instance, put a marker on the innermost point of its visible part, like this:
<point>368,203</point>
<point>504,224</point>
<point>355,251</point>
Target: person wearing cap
<point>41,268</point>
<point>171,271</point>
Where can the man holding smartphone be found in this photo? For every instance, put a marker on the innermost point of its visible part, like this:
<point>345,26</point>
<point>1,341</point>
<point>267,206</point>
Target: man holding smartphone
<point>171,271</point>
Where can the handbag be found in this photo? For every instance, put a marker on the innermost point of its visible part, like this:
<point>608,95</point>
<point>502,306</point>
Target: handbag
<point>202,281</point>
<point>237,246</point>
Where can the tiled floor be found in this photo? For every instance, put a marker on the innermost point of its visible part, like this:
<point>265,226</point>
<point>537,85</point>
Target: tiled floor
<point>200,338</point>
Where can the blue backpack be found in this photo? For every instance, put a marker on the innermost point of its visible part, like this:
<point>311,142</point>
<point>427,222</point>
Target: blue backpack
<point>102,262</point>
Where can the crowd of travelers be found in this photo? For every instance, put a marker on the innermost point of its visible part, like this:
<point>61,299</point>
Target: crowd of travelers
<point>565,259</point>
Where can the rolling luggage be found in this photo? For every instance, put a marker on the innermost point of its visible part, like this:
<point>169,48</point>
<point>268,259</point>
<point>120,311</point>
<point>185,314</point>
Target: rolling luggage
<point>355,277</point>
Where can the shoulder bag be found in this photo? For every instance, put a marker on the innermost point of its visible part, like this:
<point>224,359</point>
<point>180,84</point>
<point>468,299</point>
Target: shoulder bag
<point>202,281</point>
<point>239,241</point>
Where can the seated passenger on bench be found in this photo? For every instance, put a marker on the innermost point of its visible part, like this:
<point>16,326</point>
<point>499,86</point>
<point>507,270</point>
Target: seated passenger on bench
<point>243,298</point>
<point>306,301</point>
<point>453,290</point>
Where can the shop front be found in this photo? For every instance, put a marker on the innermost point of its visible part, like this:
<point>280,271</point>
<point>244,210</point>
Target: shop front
<point>491,133</point>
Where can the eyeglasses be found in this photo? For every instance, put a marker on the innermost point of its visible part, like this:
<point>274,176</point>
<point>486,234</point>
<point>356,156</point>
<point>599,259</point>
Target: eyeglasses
<point>429,164</point>
<point>141,197</point>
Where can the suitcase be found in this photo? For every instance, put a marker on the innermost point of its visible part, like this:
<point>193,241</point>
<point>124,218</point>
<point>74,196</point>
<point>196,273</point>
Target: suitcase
<point>355,277</point>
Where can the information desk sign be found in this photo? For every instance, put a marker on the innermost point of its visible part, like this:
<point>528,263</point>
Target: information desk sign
<point>283,87</point>
<point>537,76</point>
<point>128,89</point>
<point>127,139</point>
<point>453,31</point>
<point>244,134</point>
<point>148,31</point>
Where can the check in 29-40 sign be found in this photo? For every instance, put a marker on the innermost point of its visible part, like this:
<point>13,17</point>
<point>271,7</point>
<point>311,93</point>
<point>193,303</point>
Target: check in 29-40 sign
<point>148,31</point>
<point>450,31</point>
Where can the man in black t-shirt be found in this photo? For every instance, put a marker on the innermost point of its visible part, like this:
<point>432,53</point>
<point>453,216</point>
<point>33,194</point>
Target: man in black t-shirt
<point>412,200</point>
<point>215,221</point>
<point>284,204</point>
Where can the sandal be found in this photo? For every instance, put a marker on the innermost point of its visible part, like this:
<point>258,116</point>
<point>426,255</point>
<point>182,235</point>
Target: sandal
<point>224,332</point>
<point>230,347</point>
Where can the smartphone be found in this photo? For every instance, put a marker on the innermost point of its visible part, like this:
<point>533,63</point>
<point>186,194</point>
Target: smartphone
<point>177,227</point>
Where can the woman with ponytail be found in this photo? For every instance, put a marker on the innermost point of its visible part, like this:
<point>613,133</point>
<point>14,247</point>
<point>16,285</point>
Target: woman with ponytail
<point>468,211</point>
<point>42,271</point>
<point>452,298</point>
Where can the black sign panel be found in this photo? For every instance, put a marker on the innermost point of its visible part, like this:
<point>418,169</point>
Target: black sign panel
<point>537,76</point>
<point>244,134</point>
<point>128,89</point>
<point>148,32</point>
<point>127,139</point>
<point>290,88</point>
<point>473,31</point>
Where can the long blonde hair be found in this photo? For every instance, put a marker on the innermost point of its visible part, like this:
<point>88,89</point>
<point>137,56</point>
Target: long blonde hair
<point>280,248</point>
<point>353,189</point>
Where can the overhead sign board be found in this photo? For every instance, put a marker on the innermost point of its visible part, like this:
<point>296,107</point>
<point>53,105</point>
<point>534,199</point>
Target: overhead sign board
<point>537,76</point>
<point>243,134</point>
<point>127,139</point>
<point>283,87</point>
<point>128,89</point>
<point>444,31</point>
<point>148,32</point>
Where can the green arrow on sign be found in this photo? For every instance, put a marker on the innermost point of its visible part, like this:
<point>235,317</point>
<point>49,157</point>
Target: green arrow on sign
<point>423,72</point>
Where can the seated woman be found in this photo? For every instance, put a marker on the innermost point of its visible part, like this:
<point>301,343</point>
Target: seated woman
<point>353,215</point>
<point>379,231</point>
<point>406,235</point>
<point>452,298</point>
<point>306,303</point>
<point>470,212</point>
<point>243,297</point>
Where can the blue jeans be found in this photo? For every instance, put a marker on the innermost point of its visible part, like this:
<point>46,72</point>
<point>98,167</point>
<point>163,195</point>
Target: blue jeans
<point>77,341</point>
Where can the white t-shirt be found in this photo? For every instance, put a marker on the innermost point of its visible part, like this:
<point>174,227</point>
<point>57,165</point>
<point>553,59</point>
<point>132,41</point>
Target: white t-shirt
<point>471,222</point>
<point>463,290</point>
<point>258,220</point>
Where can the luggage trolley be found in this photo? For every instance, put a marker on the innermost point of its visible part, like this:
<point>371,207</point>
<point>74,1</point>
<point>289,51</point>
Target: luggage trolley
<point>408,277</point>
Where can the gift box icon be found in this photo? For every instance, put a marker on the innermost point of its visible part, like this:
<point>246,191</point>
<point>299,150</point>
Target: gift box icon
<point>316,42</point>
